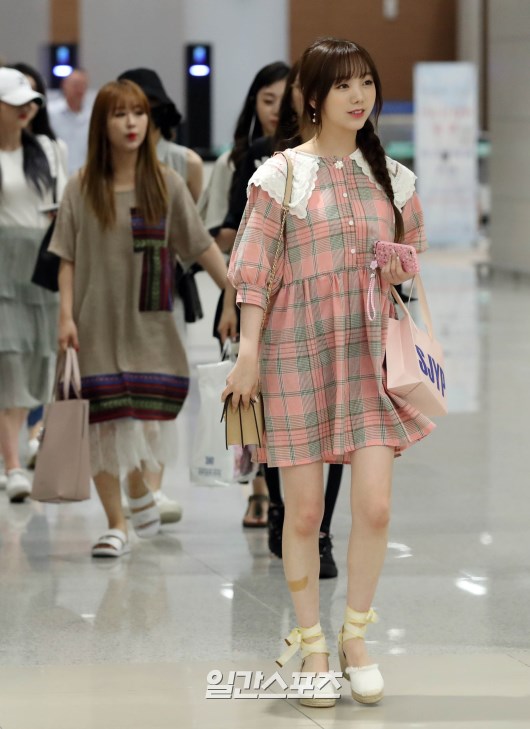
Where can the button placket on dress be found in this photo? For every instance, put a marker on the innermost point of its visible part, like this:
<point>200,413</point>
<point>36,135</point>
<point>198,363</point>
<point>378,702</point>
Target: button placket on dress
<point>350,240</point>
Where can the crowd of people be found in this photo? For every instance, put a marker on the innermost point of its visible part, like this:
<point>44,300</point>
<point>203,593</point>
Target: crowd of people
<point>132,210</point>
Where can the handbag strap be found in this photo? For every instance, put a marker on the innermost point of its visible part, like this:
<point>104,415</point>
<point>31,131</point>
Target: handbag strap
<point>422,300</point>
<point>67,367</point>
<point>279,245</point>
<point>51,150</point>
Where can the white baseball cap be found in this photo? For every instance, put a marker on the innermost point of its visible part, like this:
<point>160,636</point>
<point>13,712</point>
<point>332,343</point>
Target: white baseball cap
<point>15,88</point>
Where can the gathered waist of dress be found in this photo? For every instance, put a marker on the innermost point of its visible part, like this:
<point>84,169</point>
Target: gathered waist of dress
<point>354,268</point>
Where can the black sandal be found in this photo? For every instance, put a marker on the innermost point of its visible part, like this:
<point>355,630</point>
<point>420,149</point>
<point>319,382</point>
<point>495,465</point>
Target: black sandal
<point>256,503</point>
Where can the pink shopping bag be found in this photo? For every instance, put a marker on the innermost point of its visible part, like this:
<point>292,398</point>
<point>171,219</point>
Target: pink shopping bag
<point>415,360</point>
<point>62,469</point>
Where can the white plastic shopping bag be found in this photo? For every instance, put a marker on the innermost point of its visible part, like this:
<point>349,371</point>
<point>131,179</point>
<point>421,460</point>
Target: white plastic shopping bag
<point>211,462</point>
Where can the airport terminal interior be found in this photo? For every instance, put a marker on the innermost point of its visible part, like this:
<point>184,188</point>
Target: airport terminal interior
<point>140,642</point>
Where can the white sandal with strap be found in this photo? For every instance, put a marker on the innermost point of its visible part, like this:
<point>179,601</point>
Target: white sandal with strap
<point>297,640</point>
<point>367,685</point>
<point>113,543</point>
<point>145,516</point>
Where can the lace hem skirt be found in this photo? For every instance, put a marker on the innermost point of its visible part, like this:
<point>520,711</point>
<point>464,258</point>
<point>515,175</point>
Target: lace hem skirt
<point>121,446</point>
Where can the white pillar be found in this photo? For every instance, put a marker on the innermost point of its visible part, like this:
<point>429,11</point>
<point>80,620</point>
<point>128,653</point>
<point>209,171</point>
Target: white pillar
<point>470,40</point>
<point>509,112</point>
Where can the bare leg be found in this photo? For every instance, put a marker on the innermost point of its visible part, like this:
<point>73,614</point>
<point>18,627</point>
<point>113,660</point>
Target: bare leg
<point>371,485</point>
<point>136,481</point>
<point>153,479</point>
<point>11,422</point>
<point>108,488</point>
<point>303,489</point>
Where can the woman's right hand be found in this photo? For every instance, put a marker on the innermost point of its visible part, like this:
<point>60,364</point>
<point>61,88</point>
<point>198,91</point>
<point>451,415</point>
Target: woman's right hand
<point>68,335</point>
<point>242,382</point>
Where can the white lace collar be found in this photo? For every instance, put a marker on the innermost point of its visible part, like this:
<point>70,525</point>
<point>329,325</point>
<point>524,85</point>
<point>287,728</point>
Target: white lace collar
<point>272,174</point>
<point>271,178</point>
<point>403,180</point>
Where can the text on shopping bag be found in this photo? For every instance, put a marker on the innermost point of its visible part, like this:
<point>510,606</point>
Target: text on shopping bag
<point>433,371</point>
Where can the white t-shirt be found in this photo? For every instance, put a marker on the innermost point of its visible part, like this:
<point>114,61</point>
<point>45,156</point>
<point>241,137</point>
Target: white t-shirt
<point>19,202</point>
<point>72,128</point>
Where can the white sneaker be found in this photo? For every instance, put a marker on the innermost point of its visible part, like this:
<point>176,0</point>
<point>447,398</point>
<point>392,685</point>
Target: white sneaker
<point>170,510</point>
<point>18,485</point>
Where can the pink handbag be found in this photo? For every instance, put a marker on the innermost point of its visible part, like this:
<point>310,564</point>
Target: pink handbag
<point>415,360</point>
<point>62,469</point>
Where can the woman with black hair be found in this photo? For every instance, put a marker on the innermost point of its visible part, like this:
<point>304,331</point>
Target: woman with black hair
<point>40,125</point>
<point>293,129</point>
<point>28,313</point>
<point>258,118</point>
<point>39,119</point>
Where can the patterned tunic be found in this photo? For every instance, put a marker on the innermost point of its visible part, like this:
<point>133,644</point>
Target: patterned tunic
<point>321,358</point>
<point>133,364</point>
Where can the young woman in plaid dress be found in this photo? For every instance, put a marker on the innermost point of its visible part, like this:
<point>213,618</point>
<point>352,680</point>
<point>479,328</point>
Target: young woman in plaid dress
<point>320,361</point>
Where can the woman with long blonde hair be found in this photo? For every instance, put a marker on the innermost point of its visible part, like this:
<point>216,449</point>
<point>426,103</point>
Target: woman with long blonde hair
<point>123,220</point>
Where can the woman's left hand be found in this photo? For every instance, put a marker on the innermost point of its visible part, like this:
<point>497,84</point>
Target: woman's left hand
<point>393,272</point>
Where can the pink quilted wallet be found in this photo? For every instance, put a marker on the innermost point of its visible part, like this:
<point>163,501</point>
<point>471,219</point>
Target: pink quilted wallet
<point>407,255</point>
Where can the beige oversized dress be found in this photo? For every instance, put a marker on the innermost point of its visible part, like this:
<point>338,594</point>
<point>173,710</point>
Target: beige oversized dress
<point>133,366</point>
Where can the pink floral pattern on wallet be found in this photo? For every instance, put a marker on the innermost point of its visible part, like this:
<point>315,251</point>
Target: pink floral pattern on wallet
<point>407,255</point>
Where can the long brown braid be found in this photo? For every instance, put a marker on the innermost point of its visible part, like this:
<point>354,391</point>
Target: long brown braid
<point>372,149</point>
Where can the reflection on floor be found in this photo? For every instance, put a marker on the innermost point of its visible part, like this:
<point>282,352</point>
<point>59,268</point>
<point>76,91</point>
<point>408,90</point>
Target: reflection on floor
<point>130,644</point>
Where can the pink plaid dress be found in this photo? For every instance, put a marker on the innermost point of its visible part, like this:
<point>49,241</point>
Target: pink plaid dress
<point>321,358</point>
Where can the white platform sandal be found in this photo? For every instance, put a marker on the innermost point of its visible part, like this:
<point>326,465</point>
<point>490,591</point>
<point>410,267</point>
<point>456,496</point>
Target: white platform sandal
<point>296,640</point>
<point>113,543</point>
<point>145,516</point>
<point>367,685</point>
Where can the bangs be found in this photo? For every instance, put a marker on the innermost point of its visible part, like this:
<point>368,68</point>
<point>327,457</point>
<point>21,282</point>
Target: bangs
<point>350,64</point>
<point>331,61</point>
<point>126,94</point>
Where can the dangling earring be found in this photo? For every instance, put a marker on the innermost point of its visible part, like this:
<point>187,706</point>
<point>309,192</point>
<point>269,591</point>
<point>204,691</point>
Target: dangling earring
<point>314,117</point>
<point>251,129</point>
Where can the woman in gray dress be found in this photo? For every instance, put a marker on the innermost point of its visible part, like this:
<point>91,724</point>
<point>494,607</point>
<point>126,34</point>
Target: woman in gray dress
<point>28,314</point>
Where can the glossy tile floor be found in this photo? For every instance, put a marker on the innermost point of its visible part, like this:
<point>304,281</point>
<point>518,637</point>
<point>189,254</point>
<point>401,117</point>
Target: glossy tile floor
<point>129,644</point>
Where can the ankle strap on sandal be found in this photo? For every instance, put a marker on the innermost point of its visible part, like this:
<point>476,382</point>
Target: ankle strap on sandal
<point>355,623</point>
<point>296,640</point>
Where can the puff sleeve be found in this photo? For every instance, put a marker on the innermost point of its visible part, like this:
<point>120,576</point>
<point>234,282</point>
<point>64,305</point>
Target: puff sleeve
<point>255,248</point>
<point>413,224</point>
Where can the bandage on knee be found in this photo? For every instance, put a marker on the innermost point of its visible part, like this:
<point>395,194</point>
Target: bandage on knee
<point>297,585</point>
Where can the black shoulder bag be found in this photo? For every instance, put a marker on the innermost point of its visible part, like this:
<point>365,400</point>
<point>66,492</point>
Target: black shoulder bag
<point>46,271</point>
